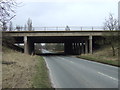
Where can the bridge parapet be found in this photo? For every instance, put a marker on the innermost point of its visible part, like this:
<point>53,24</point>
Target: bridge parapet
<point>63,28</point>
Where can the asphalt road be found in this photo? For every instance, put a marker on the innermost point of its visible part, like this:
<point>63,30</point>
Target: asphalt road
<point>71,72</point>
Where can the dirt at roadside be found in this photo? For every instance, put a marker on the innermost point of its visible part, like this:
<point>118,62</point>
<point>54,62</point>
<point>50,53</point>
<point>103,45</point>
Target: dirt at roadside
<point>18,69</point>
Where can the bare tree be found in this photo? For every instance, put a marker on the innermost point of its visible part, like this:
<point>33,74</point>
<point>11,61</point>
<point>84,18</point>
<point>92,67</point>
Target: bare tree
<point>4,26</point>
<point>10,26</point>
<point>111,38</point>
<point>7,12</point>
<point>111,23</point>
<point>25,27</point>
<point>29,24</point>
<point>18,28</point>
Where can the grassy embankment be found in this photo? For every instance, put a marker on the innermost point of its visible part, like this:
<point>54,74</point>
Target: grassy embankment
<point>103,55</point>
<point>23,71</point>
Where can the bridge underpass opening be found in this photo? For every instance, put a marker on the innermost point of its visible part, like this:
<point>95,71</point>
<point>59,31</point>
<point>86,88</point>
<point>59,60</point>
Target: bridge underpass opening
<point>67,48</point>
<point>73,45</point>
<point>49,48</point>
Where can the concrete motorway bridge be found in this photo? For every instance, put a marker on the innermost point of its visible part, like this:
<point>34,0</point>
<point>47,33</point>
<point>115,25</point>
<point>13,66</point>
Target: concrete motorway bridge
<point>75,42</point>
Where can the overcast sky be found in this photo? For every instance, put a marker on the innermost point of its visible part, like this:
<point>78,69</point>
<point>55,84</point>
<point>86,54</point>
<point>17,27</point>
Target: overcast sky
<point>65,12</point>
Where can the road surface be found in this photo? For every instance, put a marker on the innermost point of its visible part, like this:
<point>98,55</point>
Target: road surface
<point>71,72</point>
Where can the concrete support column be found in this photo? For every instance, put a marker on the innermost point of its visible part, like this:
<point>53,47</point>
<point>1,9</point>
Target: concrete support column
<point>86,47</point>
<point>75,48</point>
<point>82,47</point>
<point>79,49</point>
<point>26,51</point>
<point>28,46</point>
<point>90,44</point>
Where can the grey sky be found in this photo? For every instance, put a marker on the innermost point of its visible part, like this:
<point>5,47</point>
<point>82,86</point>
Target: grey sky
<point>62,13</point>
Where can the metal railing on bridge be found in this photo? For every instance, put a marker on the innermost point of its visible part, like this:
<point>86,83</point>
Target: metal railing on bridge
<point>65,28</point>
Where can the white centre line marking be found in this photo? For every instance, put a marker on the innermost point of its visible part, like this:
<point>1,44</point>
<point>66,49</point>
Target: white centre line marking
<point>108,76</point>
<point>66,60</point>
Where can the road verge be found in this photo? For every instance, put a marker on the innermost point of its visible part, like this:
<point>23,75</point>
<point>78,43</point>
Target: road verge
<point>41,79</point>
<point>91,57</point>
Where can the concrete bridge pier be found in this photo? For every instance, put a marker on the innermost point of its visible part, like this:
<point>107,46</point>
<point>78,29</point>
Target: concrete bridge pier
<point>82,47</point>
<point>79,49</point>
<point>86,46</point>
<point>28,46</point>
<point>90,44</point>
<point>75,48</point>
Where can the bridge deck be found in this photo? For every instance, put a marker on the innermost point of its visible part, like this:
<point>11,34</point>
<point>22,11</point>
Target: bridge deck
<point>55,33</point>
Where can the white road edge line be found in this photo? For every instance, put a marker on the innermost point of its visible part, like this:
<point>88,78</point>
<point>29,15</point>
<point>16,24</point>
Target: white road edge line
<point>50,75</point>
<point>67,60</point>
<point>108,76</point>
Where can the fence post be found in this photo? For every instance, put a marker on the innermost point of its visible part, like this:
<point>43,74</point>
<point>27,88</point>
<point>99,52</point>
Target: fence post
<point>81,28</point>
<point>92,28</point>
<point>56,28</point>
<point>44,28</point>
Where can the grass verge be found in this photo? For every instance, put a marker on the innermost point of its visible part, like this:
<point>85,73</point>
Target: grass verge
<point>18,69</point>
<point>100,60</point>
<point>41,79</point>
<point>103,55</point>
<point>23,71</point>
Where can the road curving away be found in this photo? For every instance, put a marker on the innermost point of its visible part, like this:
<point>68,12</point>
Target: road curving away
<point>71,72</point>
